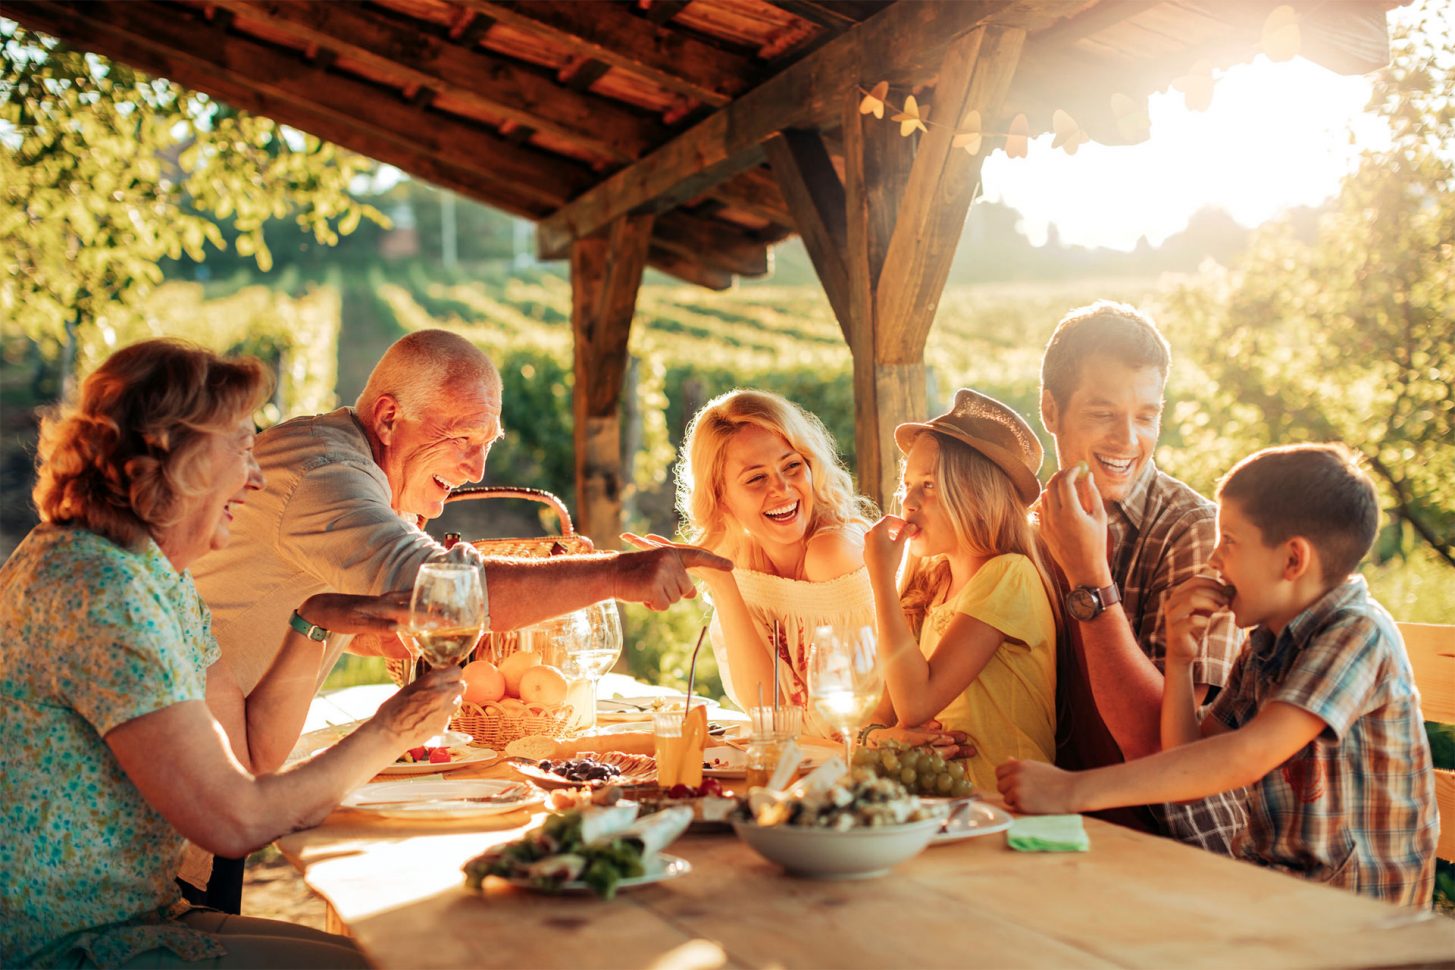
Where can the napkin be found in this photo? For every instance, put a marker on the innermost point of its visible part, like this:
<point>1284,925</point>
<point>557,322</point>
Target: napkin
<point>1048,833</point>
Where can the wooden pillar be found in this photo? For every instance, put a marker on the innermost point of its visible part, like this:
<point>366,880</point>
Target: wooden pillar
<point>882,240</point>
<point>606,272</point>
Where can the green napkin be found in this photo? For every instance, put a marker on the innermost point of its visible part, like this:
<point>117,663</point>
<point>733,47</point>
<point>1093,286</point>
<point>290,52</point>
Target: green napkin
<point>1048,833</point>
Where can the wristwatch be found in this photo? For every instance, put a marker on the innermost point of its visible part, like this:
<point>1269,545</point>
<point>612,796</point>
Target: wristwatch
<point>1088,602</point>
<point>310,630</point>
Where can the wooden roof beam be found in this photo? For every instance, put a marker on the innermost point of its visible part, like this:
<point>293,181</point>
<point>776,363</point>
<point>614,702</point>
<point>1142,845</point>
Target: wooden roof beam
<point>209,52</point>
<point>689,269</point>
<point>402,49</point>
<point>604,31</point>
<point>79,32</point>
<point>716,244</point>
<point>906,41</point>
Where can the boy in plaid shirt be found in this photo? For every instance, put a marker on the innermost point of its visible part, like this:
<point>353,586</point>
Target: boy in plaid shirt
<point>1320,717</point>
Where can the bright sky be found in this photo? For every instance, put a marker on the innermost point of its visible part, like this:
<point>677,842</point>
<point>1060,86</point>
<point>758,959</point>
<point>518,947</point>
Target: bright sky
<point>1276,136</point>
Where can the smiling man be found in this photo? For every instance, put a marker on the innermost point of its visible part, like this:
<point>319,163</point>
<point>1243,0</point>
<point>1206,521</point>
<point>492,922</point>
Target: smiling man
<point>346,497</point>
<point>1123,534</point>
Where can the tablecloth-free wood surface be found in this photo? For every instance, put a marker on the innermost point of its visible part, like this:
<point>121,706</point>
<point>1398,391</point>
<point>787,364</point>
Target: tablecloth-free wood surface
<point>1132,901</point>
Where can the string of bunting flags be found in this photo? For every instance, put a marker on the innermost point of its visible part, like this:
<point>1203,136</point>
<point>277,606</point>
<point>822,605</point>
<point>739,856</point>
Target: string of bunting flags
<point>1281,40</point>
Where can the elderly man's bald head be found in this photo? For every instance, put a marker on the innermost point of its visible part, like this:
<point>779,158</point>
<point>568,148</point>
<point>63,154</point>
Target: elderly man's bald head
<point>424,367</point>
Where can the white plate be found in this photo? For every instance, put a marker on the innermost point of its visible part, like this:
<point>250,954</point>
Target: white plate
<point>974,819</point>
<point>463,757</point>
<point>627,727</point>
<point>435,799</point>
<point>659,869</point>
<point>643,707</point>
<point>737,761</point>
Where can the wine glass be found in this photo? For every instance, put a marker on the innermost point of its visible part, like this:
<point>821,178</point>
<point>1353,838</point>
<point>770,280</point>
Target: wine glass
<point>595,651</point>
<point>844,680</point>
<point>446,612</point>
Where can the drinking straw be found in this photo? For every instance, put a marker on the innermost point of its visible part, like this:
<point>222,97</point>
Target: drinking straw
<point>775,669</point>
<point>692,673</point>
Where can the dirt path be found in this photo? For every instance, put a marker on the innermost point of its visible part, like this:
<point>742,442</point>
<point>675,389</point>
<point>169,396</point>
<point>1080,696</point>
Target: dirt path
<point>273,889</point>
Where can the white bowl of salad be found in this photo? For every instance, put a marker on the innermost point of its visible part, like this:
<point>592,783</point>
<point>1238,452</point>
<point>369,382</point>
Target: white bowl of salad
<point>853,829</point>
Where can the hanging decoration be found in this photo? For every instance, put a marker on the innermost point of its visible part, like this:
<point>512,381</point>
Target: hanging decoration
<point>1281,39</point>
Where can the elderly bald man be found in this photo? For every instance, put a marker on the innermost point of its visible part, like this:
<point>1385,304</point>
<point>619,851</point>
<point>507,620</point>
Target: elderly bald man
<point>347,494</point>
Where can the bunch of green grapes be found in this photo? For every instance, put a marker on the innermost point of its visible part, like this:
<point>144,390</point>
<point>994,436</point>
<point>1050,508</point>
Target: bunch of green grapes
<point>920,770</point>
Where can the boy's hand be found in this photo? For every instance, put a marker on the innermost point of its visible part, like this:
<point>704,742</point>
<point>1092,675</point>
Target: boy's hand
<point>1036,788</point>
<point>1073,525</point>
<point>1186,614</point>
<point>884,547</point>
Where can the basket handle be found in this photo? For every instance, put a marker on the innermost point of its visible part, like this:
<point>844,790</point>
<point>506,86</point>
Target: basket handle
<point>540,495</point>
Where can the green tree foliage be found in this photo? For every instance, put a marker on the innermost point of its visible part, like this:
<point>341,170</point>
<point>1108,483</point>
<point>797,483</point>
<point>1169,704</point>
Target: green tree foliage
<point>104,172</point>
<point>1349,337</point>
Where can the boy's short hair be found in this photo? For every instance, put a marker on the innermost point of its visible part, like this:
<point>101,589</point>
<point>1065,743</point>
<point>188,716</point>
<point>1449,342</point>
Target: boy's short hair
<point>1119,331</point>
<point>1319,492</point>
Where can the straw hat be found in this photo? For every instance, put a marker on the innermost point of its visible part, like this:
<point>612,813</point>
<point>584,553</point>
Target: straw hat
<point>990,428</point>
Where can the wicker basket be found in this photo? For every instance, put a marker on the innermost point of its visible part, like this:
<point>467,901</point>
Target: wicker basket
<point>493,725</point>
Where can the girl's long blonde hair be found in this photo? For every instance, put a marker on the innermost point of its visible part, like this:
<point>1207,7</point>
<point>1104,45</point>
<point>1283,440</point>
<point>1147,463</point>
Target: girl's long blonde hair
<point>700,469</point>
<point>988,518</point>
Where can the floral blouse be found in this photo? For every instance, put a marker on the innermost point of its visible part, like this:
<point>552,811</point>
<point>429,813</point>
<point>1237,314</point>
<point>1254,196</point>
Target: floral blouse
<point>91,636</point>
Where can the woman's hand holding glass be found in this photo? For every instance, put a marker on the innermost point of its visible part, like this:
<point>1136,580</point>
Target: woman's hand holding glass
<point>446,612</point>
<point>844,680</point>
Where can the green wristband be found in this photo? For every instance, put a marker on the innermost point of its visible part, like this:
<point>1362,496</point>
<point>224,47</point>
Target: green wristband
<point>310,630</point>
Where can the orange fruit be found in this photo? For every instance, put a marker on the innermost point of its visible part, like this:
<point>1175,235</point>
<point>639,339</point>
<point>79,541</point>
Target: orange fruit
<point>483,682</point>
<point>514,666</point>
<point>543,685</point>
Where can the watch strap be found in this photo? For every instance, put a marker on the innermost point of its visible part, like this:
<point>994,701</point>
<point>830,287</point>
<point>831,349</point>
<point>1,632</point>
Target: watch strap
<point>310,630</point>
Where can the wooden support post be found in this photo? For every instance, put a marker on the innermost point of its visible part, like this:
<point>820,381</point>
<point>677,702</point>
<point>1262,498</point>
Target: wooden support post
<point>906,204</point>
<point>606,272</point>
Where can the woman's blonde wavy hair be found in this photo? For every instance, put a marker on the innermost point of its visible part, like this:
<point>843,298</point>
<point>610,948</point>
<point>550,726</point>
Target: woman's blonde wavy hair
<point>700,469</point>
<point>123,459</point>
<point>988,517</point>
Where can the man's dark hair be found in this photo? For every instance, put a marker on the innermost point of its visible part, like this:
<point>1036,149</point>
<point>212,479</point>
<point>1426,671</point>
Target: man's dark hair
<point>1117,330</point>
<point>1319,492</point>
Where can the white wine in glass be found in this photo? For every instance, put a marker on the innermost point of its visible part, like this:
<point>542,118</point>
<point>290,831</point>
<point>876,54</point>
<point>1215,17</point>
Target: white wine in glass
<point>591,655</point>
<point>844,680</point>
<point>446,612</point>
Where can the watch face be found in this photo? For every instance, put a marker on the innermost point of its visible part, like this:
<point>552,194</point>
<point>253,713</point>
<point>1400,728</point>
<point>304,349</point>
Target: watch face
<point>1083,603</point>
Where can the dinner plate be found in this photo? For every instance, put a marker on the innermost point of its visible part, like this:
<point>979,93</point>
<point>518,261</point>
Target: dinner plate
<point>735,761</point>
<point>461,757</point>
<point>445,798</point>
<point>659,869</point>
<point>970,820</point>
<point>643,707</point>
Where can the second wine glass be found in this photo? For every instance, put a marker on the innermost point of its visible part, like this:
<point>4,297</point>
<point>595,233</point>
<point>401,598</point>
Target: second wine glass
<point>844,680</point>
<point>591,655</point>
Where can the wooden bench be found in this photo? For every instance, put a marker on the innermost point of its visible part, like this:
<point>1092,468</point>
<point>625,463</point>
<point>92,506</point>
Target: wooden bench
<point>1431,649</point>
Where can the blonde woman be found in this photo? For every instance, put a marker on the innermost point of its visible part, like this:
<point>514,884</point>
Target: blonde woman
<point>114,691</point>
<point>968,637</point>
<point>760,483</point>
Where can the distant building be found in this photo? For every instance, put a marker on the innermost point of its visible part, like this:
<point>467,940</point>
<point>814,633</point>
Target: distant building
<point>402,241</point>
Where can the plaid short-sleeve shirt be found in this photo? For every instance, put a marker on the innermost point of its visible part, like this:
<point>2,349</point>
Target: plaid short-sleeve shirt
<point>1356,806</point>
<point>1163,533</point>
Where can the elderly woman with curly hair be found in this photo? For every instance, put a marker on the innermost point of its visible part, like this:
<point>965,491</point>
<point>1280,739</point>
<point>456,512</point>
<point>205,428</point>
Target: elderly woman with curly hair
<point>111,690</point>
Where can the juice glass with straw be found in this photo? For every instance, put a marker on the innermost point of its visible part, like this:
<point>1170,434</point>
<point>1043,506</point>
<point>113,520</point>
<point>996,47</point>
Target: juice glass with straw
<point>678,749</point>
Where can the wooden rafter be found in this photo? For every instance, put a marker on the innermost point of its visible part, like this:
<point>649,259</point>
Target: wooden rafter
<point>398,48</point>
<point>597,29</point>
<point>712,243</point>
<point>815,196</point>
<point>209,52</point>
<point>907,40</point>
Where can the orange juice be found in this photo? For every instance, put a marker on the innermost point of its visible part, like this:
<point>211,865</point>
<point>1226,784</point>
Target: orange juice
<point>679,762</point>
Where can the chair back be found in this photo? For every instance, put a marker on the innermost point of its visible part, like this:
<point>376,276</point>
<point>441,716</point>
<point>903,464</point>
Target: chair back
<point>1431,649</point>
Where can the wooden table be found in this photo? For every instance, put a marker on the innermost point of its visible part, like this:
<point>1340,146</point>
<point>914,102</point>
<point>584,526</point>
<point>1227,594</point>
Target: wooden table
<point>1133,901</point>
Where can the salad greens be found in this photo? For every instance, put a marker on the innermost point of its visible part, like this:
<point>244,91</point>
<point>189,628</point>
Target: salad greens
<point>556,853</point>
